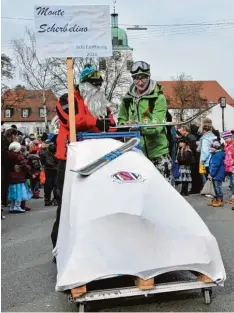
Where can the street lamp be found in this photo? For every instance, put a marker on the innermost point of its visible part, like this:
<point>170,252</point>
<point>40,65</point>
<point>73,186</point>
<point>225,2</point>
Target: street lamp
<point>222,101</point>
<point>137,27</point>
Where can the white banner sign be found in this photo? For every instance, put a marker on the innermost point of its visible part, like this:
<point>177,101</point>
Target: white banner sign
<point>73,31</point>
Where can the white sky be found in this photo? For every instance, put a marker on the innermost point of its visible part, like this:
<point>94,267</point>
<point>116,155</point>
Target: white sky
<point>203,54</point>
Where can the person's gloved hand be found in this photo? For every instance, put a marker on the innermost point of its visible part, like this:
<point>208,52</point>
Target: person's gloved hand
<point>103,125</point>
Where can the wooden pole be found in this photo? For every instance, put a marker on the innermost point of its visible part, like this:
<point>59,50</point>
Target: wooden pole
<point>71,103</point>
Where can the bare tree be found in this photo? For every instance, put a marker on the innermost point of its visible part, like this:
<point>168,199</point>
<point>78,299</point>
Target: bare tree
<point>34,71</point>
<point>117,78</point>
<point>7,70</point>
<point>7,67</point>
<point>186,96</point>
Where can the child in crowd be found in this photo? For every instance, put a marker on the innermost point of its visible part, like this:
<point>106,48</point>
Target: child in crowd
<point>18,188</point>
<point>24,153</point>
<point>184,158</point>
<point>217,172</point>
<point>229,160</point>
<point>35,165</point>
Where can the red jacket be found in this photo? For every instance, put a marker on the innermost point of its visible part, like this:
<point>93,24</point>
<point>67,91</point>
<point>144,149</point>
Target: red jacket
<point>84,121</point>
<point>17,159</point>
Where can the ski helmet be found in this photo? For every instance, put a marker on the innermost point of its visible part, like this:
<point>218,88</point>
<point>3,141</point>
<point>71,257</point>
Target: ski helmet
<point>91,74</point>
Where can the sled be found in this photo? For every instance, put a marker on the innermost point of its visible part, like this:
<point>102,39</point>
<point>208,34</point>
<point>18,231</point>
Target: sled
<point>123,240</point>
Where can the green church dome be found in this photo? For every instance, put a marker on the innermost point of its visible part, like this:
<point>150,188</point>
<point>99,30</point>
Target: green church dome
<point>119,36</point>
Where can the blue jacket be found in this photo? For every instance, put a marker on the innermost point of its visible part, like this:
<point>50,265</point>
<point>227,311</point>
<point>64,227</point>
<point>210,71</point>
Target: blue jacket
<point>216,166</point>
<point>206,140</point>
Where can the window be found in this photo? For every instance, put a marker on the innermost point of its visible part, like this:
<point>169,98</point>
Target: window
<point>42,112</point>
<point>7,113</point>
<point>115,41</point>
<point>25,112</point>
<point>120,42</point>
<point>40,130</point>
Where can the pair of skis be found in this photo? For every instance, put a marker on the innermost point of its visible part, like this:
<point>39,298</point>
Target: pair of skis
<point>132,143</point>
<point>139,126</point>
<point>107,158</point>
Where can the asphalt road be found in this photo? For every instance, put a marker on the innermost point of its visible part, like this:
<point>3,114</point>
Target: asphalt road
<point>28,274</point>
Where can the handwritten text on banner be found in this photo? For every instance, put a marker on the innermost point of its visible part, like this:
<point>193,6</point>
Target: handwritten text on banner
<point>73,31</point>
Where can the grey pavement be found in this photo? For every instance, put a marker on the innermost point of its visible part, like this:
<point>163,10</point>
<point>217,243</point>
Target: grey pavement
<point>29,276</point>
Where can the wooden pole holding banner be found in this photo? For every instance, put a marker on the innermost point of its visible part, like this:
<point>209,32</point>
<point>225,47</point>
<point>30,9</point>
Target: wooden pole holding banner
<point>71,103</point>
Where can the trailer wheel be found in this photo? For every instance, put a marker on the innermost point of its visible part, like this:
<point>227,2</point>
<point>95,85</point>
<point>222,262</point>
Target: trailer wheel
<point>207,295</point>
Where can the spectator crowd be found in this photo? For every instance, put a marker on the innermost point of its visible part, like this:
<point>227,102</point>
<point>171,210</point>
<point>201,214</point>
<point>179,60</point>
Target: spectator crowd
<point>27,164</point>
<point>203,155</point>
<point>198,156</point>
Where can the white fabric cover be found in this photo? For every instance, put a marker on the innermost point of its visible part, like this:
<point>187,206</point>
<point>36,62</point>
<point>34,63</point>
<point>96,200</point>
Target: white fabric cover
<point>142,228</point>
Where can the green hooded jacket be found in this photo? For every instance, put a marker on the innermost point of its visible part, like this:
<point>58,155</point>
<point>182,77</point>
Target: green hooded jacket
<point>150,107</point>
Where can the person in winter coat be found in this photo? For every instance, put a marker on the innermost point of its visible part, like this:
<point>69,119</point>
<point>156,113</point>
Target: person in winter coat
<point>6,139</point>
<point>146,103</point>
<point>18,188</point>
<point>184,159</point>
<point>229,160</point>
<point>35,165</point>
<point>50,164</point>
<point>87,119</point>
<point>35,145</point>
<point>24,153</point>
<point>205,144</point>
<point>192,140</point>
<point>217,172</point>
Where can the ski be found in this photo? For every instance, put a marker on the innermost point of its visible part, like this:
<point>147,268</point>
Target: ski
<point>181,123</point>
<point>107,158</point>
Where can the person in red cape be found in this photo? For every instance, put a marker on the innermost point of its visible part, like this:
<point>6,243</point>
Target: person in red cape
<point>92,114</point>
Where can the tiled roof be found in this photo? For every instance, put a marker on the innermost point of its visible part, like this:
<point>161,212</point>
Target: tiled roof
<point>31,99</point>
<point>211,91</point>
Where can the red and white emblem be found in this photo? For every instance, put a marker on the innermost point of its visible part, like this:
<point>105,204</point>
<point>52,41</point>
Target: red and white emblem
<point>127,177</point>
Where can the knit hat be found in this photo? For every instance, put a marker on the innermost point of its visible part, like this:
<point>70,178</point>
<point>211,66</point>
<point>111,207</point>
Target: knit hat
<point>227,134</point>
<point>15,146</point>
<point>216,144</point>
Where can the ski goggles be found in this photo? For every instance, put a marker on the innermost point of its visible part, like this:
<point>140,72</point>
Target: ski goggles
<point>140,66</point>
<point>94,75</point>
<point>95,79</point>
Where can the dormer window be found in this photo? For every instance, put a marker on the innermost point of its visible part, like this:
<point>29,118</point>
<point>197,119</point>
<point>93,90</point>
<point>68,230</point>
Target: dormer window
<point>42,112</point>
<point>8,113</point>
<point>25,113</point>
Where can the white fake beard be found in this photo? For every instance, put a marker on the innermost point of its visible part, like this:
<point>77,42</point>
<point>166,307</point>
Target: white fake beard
<point>95,99</point>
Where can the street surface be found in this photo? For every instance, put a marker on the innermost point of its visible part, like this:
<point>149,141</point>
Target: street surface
<point>28,274</point>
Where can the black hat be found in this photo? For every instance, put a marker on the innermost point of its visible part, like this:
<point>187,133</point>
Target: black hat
<point>185,140</point>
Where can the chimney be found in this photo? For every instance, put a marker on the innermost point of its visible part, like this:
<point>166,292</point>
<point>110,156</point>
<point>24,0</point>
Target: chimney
<point>114,20</point>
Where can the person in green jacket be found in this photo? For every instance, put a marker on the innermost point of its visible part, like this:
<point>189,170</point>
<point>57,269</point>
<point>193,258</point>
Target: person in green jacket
<point>145,103</point>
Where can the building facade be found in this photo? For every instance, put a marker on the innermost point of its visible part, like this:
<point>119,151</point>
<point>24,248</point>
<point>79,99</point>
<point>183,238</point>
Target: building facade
<point>25,109</point>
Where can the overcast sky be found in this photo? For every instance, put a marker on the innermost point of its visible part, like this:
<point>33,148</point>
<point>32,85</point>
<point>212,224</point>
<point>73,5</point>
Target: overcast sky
<point>205,53</point>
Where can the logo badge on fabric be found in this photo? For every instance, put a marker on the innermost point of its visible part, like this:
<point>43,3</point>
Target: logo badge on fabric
<point>127,177</point>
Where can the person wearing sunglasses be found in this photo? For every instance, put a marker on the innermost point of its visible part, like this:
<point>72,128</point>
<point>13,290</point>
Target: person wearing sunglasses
<point>145,103</point>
